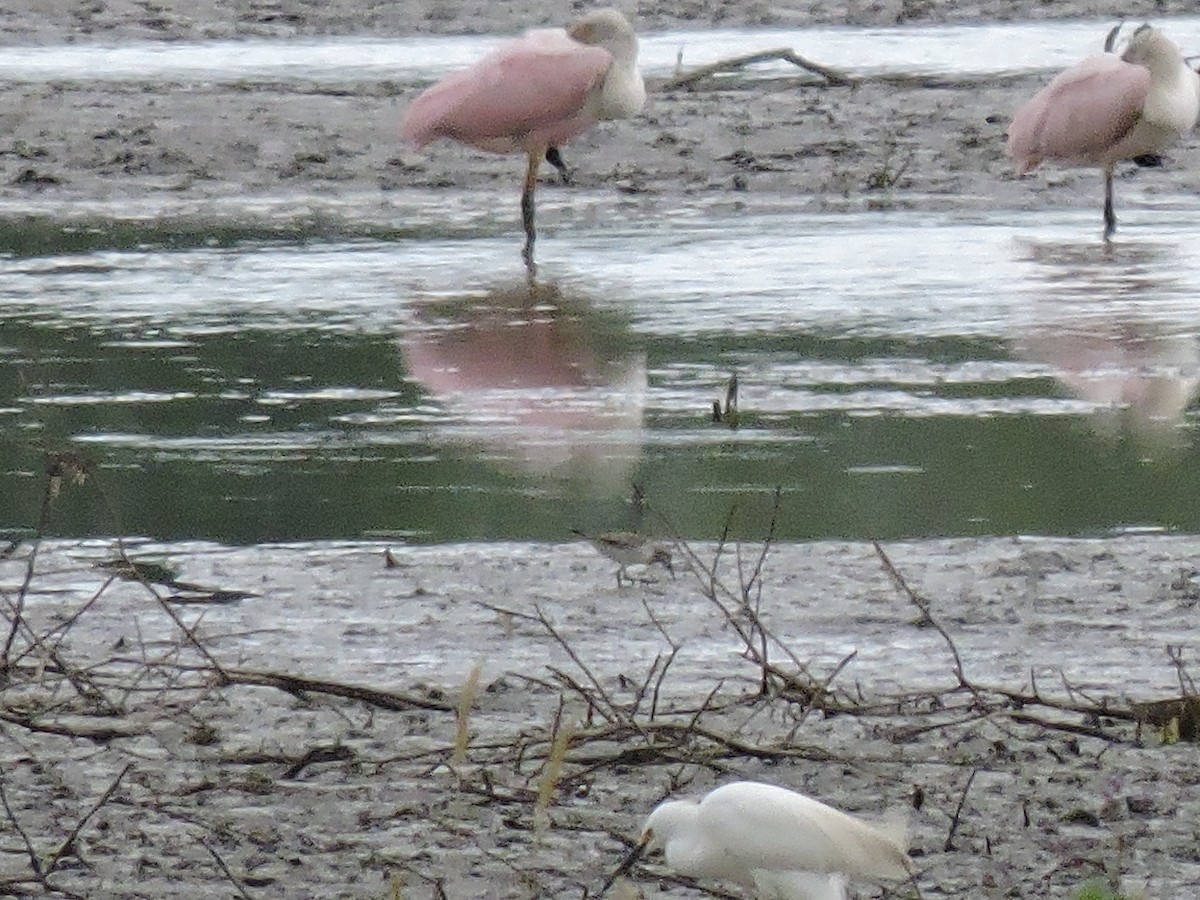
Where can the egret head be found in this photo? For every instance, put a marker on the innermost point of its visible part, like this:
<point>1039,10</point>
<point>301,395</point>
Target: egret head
<point>668,821</point>
<point>661,825</point>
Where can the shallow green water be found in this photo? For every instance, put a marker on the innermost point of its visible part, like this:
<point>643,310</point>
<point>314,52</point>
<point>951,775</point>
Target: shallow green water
<point>899,375</point>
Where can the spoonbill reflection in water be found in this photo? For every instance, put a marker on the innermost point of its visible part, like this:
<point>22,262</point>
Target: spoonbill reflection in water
<point>1108,108</point>
<point>534,93</point>
<point>782,844</point>
<point>534,379</point>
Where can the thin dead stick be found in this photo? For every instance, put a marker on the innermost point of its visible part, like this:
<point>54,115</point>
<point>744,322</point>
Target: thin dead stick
<point>754,584</point>
<point>35,862</point>
<point>540,617</point>
<point>188,631</point>
<point>299,684</point>
<point>587,696</point>
<point>962,801</point>
<point>61,628</point>
<point>66,845</point>
<point>1069,728</point>
<point>923,605</point>
<point>78,679</point>
<point>295,684</point>
<point>662,672</point>
<point>48,495</point>
<point>100,734</point>
<point>658,625</point>
<point>1175,654</point>
<point>737,63</point>
<point>662,675</point>
<point>694,722</point>
<point>233,879</point>
<point>639,693</point>
<point>715,589</point>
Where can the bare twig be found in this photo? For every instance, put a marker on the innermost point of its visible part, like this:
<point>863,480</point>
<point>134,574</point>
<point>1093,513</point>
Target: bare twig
<point>954,821</point>
<point>737,63</point>
<point>611,709</point>
<point>1187,686</point>
<point>69,843</point>
<point>233,879</point>
<point>56,465</point>
<point>35,862</point>
<point>923,605</point>
<point>100,733</point>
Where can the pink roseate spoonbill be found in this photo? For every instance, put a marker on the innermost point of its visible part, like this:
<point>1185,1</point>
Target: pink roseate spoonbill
<point>534,93</point>
<point>1108,108</point>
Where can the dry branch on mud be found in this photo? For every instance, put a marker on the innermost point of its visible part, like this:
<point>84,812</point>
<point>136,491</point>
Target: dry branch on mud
<point>737,63</point>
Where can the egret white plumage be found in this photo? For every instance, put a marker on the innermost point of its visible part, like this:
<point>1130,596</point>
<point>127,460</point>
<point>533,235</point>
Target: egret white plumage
<point>779,843</point>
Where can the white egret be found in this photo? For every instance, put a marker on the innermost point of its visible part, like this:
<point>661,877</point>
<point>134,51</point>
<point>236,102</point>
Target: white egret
<point>779,843</point>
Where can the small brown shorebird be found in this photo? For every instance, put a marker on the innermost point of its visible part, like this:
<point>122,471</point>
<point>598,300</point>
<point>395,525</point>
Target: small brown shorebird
<point>628,548</point>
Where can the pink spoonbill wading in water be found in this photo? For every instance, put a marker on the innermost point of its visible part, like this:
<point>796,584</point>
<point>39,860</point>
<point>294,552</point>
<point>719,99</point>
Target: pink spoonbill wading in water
<point>534,93</point>
<point>1109,108</point>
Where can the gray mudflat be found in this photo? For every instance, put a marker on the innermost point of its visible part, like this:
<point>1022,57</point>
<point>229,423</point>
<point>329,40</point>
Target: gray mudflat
<point>332,786</point>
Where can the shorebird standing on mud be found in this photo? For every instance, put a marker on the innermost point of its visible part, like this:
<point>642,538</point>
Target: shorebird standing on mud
<point>628,548</point>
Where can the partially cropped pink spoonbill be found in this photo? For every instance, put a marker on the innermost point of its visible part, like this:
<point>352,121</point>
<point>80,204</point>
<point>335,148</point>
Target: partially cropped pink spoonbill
<point>781,844</point>
<point>1108,108</point>
<point>534,93</point>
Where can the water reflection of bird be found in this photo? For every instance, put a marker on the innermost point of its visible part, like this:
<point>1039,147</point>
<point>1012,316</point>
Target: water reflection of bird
<point>1101,327</point>
<point>535,374</point>
<point>628,548</point>
<point>1145,378</point>
<point>534,93</point>
<point>780,843</point>
<point>1109,108</point>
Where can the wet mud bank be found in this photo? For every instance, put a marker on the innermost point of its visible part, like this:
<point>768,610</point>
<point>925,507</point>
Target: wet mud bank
<point>312,738</point>
<point>326,158</point>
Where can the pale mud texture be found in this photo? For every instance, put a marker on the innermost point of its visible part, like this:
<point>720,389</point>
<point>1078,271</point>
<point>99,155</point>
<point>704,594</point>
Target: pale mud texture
<point>238,787</point>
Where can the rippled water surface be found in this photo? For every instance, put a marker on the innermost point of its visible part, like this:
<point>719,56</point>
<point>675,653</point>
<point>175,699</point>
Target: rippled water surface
<point>899,374</point>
